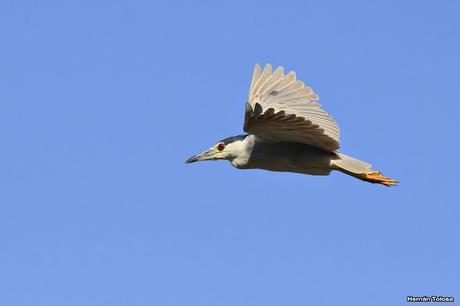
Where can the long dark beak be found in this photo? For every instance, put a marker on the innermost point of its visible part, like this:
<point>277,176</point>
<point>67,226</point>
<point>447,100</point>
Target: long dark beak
<point>199,157</point>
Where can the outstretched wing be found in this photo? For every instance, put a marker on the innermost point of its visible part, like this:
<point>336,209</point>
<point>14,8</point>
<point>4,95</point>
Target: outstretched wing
<point>282,109</point>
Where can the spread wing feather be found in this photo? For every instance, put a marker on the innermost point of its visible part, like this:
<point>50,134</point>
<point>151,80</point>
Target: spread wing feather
<point>281,108</point>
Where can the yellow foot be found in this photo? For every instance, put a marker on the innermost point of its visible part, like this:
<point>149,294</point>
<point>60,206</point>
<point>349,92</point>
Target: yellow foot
<point>377,177</point>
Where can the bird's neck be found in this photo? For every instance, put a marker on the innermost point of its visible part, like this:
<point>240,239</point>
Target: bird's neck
<point>241,151</point>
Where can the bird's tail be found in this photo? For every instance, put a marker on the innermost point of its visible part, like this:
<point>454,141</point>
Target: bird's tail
<point>361,170</point>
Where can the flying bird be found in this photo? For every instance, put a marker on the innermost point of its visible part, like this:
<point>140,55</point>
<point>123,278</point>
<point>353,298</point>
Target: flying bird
<point>287,131</point>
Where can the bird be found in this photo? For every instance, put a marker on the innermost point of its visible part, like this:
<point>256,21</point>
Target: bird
<point>288,131</point>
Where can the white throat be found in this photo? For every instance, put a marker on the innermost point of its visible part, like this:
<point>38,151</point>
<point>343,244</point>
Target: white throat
<point>240,151</point>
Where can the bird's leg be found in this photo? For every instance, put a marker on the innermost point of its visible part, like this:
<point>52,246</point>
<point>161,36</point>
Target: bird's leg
<point>377,177</point>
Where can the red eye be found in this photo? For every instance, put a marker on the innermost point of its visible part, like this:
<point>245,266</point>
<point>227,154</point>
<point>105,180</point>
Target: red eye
<point>221,146</point>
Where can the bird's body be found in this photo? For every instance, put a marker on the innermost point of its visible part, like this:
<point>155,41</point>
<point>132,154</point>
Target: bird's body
<point>283,157</point>
<point>288,132</point>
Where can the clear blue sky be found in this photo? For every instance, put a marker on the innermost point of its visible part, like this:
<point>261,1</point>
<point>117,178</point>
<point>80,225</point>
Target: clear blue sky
<point>101,102</point>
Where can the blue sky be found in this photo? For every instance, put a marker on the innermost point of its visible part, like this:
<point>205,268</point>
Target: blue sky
<point>101,102</point>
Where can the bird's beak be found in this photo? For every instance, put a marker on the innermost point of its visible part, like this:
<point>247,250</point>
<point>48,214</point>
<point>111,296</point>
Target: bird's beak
<point>206,155</point>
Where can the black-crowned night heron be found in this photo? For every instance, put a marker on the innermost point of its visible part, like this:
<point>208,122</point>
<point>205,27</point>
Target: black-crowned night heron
<point>288,132</point>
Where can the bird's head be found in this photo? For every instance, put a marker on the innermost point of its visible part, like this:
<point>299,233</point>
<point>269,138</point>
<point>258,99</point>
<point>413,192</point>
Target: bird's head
<point>227,148</point>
